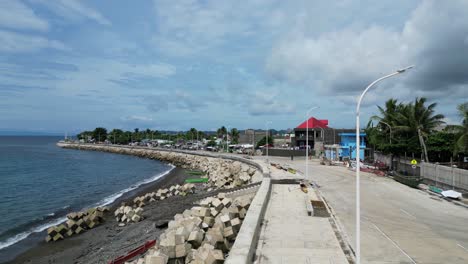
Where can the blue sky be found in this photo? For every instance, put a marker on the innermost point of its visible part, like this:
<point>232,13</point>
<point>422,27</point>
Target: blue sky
<point>69,65</point>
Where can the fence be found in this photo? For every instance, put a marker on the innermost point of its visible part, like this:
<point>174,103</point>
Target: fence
<point>287,152</point>
<point>442,176</point>
<point>445,177</point>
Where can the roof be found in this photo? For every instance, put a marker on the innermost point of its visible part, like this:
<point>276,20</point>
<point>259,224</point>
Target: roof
<point>314,123</point>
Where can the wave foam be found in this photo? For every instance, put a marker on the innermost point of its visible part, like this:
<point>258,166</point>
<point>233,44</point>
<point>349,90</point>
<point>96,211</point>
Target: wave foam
<point>108,200</point>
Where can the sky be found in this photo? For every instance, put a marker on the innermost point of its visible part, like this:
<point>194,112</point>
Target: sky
<point>69,65</point>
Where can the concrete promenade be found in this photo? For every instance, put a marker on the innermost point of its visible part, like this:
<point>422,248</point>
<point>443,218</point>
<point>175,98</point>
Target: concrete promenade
<point>399,224</point>
<point>289,235</point>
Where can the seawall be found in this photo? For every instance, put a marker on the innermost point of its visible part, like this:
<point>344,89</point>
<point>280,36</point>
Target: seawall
<point>224,171</point>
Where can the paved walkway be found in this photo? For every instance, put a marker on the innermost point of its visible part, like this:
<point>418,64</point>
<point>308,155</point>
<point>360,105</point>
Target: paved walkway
<point>289,235</point>
<point>399,224</point>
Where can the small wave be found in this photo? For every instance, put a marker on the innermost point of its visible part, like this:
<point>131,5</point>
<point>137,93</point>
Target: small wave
<point>12,240</point>
<point>108,200</point>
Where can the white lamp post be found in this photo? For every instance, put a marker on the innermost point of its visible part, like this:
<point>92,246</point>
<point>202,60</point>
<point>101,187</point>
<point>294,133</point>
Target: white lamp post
<point>266,143</point>
<point>307,140</point>
<point>390,130</point>
<point>358,165</point>
<point>227,138</point>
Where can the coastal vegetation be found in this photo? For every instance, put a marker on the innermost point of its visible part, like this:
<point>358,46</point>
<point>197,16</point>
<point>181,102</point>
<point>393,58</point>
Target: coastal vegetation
<point>415,127</point>
<point>119,136</point>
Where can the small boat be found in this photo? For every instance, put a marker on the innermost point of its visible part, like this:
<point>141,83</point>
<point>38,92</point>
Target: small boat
<point>133,253</point>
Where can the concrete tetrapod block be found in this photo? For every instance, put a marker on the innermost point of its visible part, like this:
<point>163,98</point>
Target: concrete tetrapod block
<point>182,250</point>
<point>183,232</point>
<point>203,212</point>
<point>209,221</point>
<point>236,224</point>
<point>136,218</point>
<point>213,212</point>
<point>229,233</point>
<point>156,258</point>
<point>196,238</point>
<point>242,213</point>
<point>226,220</point>
<point>226,202</point>
<point>139,211</point>
<point>221,196</point>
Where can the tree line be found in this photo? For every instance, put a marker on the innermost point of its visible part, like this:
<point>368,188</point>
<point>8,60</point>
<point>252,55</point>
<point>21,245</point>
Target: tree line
<point>119,136</point>
<point>415,128</point>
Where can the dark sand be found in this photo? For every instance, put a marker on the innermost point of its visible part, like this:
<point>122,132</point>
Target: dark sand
<point>108,240</point>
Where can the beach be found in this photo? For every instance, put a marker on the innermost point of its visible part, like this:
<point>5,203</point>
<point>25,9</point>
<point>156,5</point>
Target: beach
<point>109,240</point>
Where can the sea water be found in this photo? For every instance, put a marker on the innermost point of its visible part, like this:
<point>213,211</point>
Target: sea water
<point>40,183</point>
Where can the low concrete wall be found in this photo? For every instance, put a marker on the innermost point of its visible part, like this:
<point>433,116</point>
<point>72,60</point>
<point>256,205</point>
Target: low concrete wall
<point>286,152</point>
<point>445,177</point>
<point>245,245</point>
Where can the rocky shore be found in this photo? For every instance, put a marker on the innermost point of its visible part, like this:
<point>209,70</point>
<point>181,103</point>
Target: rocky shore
<point>111,239</point>
<point>221,173</point>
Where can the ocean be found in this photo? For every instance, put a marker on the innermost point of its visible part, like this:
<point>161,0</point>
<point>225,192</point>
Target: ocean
<point>40,183</point>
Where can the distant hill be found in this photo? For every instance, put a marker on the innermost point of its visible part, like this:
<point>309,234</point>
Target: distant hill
<point>28,133</point>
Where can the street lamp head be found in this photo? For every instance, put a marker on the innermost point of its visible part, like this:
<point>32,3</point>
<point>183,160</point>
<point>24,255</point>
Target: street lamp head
<point>405,69</point>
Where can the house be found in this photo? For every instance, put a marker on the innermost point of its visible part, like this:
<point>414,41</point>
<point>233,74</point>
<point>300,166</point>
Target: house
<point>316,133</point>
<point>348,145</point>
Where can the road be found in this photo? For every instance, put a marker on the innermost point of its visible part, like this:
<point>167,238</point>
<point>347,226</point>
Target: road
<point>398,224</point>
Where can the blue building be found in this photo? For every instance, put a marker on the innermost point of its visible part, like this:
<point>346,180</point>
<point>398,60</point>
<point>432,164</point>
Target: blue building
<point>348,145</point>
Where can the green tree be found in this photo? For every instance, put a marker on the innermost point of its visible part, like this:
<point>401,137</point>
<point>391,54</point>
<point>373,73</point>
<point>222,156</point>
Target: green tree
<point>221,132</point>
<point>440,146</point>
<point>85,135</point>
<point>191,134</point>
<point>461,145</point>
<point>419,119</point>
<point>235,135</point>
<point>404,127</point>
<point>211,143</point>
<point>263,141</point>
<point>100,134</point>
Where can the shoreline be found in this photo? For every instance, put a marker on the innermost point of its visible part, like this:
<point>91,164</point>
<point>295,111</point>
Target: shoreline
<point>109,240</point>
<point>21,248</point>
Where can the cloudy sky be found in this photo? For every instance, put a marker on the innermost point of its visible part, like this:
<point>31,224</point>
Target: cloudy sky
<point>68,65</point>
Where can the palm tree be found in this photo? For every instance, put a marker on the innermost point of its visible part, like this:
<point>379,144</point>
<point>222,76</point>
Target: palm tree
<point>388,118</point>
<point>221,132</point>
<point>461,143</point>
<point>235,135</point>
<point>419,119</point>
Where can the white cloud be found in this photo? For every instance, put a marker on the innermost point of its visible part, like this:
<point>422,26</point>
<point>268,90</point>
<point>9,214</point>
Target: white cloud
<point>16,15</point>
<point>14,42</point>
<point>137,118</point>
<point>190,26</point>
<point>177,100</point>
<point>266,103</point>
<point>344,61</point>
<point>74,10</point>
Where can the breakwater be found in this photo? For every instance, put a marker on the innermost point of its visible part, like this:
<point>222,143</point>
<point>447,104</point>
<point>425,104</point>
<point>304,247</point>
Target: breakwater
<point>223,171</point>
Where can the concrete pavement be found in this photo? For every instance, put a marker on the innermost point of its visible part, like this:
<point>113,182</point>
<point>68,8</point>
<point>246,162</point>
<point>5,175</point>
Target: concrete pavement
<point>289,235</point>
<point>399,224</point>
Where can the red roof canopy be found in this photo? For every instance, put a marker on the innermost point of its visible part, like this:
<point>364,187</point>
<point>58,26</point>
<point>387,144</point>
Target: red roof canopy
<point>314,123</point>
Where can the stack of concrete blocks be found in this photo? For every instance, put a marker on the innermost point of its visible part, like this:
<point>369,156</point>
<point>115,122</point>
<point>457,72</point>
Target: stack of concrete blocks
<point>161,194</point>
<point>203,234</point>
<point>126,214</point>
<point>77,223</point>
<point>222,173</point>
